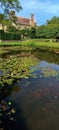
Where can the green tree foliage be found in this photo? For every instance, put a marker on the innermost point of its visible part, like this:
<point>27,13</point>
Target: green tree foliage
<point>4,21</point>
<point>33,32</point>
<point>12,28</point>
<point>25,32</point>
<point>50,30</point>
<point>8,5</point>
<point>8,17</point>
<point>40,32</point>
<point>54,20</point>
<point>12,16</point>
<point>12,22</point>
<point>1,17</point>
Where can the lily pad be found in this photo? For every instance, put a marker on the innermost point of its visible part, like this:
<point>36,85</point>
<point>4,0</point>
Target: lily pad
<point>49,72</point>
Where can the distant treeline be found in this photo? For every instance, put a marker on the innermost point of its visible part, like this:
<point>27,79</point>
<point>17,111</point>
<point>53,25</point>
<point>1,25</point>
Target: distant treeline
<point>49,30</point>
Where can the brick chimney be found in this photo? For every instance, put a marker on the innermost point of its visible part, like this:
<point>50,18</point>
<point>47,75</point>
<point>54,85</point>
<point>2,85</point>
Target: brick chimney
<point>32,23</point>
<point>32,16</point>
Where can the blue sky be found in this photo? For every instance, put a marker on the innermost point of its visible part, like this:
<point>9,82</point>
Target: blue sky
<point>42,9</point>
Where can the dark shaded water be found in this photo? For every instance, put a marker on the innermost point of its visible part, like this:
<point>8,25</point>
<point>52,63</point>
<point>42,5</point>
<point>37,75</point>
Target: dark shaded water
<point>33,102</point>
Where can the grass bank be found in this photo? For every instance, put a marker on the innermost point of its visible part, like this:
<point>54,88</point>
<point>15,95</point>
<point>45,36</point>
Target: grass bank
<point>33,43</point>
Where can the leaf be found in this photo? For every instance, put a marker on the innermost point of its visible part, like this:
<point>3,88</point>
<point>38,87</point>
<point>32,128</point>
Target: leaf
<point>9,103</point>
<point>13,111</point>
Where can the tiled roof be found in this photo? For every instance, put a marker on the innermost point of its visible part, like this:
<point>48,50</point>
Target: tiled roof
<point>23,21</point>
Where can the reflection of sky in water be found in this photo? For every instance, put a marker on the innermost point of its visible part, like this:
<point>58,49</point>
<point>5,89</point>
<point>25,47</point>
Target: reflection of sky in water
<point>46,64</point>
<point>45,70</point>
<point>39,100</point>
<point>36,99</point>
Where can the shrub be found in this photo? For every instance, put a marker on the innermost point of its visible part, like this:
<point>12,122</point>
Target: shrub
<point>1,34</point>
<point>9,36</point>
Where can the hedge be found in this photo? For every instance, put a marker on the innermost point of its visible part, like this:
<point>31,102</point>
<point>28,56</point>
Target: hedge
<point>1,34</point>
<point>9,36</point>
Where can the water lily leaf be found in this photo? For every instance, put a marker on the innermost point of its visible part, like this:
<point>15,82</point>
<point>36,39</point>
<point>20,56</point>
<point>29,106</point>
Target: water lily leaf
<point>9,103</point>
<point>13,111</point>
<point>15,68</point>
<point>0,123</point>
<point>1,114</point>
<point>11,118</point>
<point>49,72</point>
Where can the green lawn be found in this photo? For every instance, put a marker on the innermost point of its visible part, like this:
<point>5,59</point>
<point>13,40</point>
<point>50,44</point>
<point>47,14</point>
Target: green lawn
<point>32,43</point>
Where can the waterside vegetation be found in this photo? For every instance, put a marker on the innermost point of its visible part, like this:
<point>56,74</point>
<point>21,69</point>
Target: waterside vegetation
<point>33,43</point>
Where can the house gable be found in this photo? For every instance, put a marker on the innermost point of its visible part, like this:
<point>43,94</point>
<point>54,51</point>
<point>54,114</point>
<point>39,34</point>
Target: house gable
<point>26,22</point>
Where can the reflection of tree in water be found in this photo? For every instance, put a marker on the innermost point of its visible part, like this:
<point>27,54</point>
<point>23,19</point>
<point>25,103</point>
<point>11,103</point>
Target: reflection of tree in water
<point>48,56</point>
<point>12,70</point>
<point>11,117</point>
<point>10,114</point>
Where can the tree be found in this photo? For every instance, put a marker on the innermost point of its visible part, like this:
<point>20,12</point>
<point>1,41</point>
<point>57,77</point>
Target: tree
<point>54,20</point>
<point>50,30</point>
<point>12,16</point>
<point>3,21</point>
<point>25,33</point>
<point>11,28</point>
<point>8,5</point>
<point>1,18</point>
<point>40,32</point>
<point>33,32</point>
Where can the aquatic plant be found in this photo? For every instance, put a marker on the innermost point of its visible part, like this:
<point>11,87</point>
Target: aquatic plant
<point>43,72</point>
<point>14,68</point>
<point>49,72</point>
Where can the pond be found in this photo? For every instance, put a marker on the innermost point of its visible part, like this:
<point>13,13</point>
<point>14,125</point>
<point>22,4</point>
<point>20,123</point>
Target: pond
<point>29,90</point>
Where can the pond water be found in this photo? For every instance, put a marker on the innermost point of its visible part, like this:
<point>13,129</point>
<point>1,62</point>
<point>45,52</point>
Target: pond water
<point>29,91</point>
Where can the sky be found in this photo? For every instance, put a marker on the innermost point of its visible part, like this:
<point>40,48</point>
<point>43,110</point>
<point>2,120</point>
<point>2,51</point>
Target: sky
<point>42,9</point>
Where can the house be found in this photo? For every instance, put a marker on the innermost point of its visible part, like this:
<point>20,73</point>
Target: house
<point>26,22</point>
<point>21,22</point>
<point>0,26</point>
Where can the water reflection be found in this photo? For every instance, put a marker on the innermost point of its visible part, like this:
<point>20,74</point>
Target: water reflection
<point>11,117</point>
<point>50,57</point>
<point>40,103</point>
<point>32,103</point>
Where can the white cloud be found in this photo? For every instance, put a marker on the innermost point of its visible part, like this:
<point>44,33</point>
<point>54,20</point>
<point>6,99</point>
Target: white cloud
<point>44,7</point>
